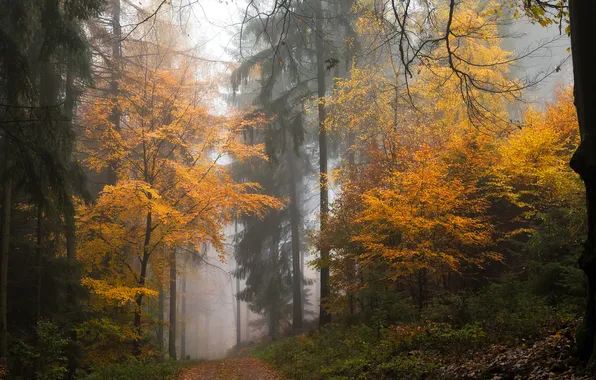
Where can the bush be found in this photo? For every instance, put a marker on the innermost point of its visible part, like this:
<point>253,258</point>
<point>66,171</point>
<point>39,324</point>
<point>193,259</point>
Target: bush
<point>511,311</point>
<point>364,352</point>
<point>41,359</point>
<point>439,337</point>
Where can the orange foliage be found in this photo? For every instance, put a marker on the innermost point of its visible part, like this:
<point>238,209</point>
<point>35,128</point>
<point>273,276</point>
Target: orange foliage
<point>420,177</point>
<point>173,185</point>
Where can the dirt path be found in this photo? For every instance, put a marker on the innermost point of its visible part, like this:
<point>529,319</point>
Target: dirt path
<point>232,369</point>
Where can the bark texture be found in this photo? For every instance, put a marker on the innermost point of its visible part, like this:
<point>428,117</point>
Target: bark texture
<point>583,39</point>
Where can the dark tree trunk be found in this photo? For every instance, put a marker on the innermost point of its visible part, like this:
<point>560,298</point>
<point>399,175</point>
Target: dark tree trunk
<point>136,347</point>
<point>273,323</point>
<point>116,65</point>
<point>39,258</point>
<point>71,247</point>
<point>583,37</point>
<point>247,329</point>
<point>324,316</point>
<point>69,223</point>
<point>295,224</point>
<point>238,327</point>
<point>172,328</point>
<point>6,211</point>
<point>160,321</point>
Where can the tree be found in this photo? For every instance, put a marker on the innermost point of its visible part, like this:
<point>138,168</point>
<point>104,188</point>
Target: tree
<point>419,194</point>
<point>168,151</point>
<point>289,59</point>
<point>582,161</point>
<point>43,51</point>
<point>533,172</point>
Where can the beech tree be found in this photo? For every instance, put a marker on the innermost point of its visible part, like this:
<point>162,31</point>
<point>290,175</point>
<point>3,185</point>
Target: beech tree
<point>168,150</point>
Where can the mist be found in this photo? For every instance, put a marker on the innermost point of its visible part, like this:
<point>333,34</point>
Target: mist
<point>264,189</point>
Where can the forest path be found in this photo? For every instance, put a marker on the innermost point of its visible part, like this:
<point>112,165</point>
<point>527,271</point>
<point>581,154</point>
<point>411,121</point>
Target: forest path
<point>232,369</point>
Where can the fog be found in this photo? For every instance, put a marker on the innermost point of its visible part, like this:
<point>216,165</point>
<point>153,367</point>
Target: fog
<point>210,299</point>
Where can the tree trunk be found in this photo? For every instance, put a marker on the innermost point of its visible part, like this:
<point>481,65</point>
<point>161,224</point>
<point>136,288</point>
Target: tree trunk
<point>183,320</point>
<point>39,258</point>
<point>583,35</point>
<point>272,323</point>
<point>207,333</point>
<point>238,329</point>
<point>295,223</point>
<point>69,223</point>
<point>324,316</point>
<point>116,65</point>
<point>160,321</point>
<point>172,328</point>
<point>237,314</point>
<point>136,347</point>
<point>71,243</point>
<point>247,329</point>
<point>6,209</point>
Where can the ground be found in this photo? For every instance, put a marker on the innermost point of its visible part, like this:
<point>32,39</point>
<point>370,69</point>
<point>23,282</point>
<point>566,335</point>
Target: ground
<point>230,369</point>
<point>551,357</point>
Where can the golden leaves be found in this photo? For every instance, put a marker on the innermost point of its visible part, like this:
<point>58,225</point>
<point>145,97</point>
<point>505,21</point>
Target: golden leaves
<point>122,295</point>
<point>173,186</point>
<point>533,163</point>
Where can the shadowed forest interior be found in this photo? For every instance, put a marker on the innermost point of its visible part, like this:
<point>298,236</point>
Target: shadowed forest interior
<point>297,189</point>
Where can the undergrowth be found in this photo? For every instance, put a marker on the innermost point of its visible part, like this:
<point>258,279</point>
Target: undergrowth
<point>457,328</point>
<point>134,369</point>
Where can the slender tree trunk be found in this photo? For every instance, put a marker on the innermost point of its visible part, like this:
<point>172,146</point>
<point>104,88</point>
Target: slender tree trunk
<point>238,327</point>
<point>160,321</point>
<point>324,316</point>
<point>172,328</point>
<point>207,335</point>
<point>247,326</point>
<point>237,314</point>
<point>183,320</point>
<point>294,224</point>
<point>69,223</point>
<point>116,66</point>
<point>351,264</point>
<point>302,291</point>
<point>421,291</point>
<point>136,347</point>
<point>6,210</point>
<point>39,257</point>
<point>138,310</point>
<point>71,243</point>
<point>583,35</point>
<point>273,323</point>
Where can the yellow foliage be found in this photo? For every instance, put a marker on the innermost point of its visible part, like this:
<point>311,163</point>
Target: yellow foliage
<point>121,295</point>
<point>173,187</point>
<point>533,162</point>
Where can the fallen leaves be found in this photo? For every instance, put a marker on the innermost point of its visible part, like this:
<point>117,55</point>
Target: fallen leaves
<point>230,369</point>
<point>549,358</point>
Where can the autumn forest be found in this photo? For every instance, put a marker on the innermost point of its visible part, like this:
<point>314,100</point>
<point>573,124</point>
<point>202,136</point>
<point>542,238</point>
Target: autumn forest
<point>297,189</point>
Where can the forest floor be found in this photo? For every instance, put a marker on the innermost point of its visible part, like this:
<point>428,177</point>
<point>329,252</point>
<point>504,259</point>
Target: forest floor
<point>230,369</point>
<point>548,358</point>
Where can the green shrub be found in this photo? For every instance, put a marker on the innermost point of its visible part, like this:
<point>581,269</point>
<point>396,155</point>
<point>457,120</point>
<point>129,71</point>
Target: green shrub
<point>439,337</point>
<point>364,352</point>
<point>511,311</point>
<point>42,357</point>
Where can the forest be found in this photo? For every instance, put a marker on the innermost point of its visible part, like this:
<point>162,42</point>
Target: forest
<point>297,189</point>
